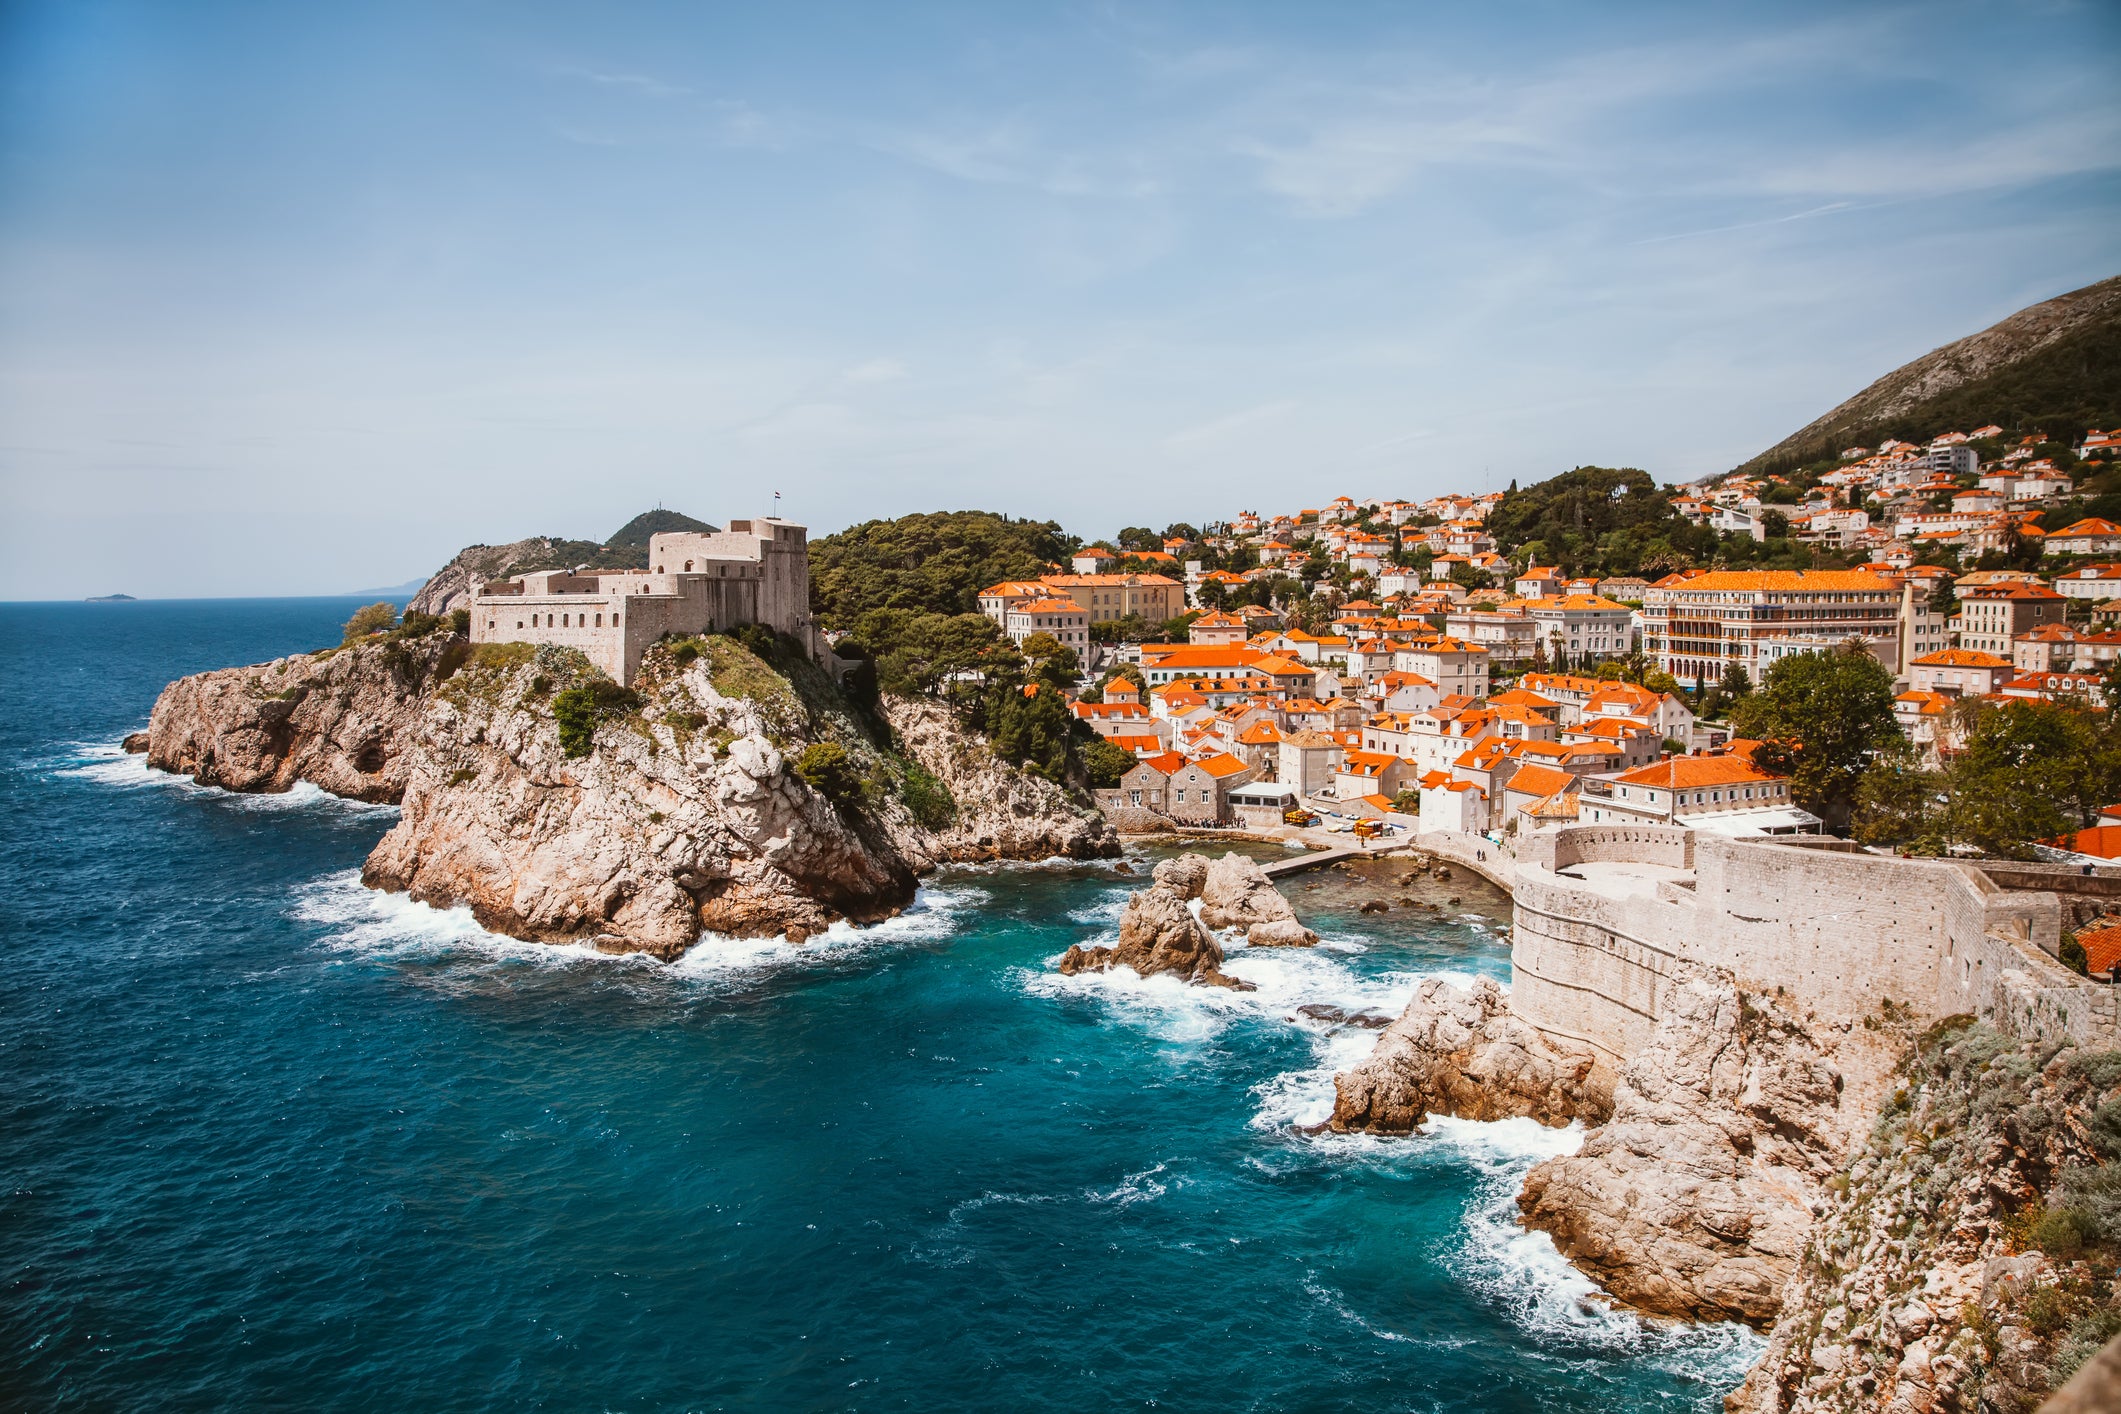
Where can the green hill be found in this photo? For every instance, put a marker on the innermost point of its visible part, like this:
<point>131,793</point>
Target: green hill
<point>2053,367</point>
<point>633,535</point>
<point>937,562</point>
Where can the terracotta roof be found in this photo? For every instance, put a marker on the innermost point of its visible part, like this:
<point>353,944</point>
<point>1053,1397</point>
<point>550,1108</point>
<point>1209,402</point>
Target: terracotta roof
<point>1748,580</point>
<point>1687,772</point>
<point>1221,764</point>
<point>1541,781</point>
<point>1961,658</point>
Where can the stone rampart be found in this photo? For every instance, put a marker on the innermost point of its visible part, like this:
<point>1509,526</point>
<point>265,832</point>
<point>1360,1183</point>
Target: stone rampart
<point>1837,932</point>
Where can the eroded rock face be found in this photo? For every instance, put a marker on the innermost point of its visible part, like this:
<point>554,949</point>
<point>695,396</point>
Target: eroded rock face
<point>1694,1198</point>
<point>639,846</point>
<point>1462,1053</point>
<point>1158,934</point>
<point>684,817</point>
<point>1002,813</point>
<point>1236,893</point>
<point>337,720</point>
<point>1917,1291</point>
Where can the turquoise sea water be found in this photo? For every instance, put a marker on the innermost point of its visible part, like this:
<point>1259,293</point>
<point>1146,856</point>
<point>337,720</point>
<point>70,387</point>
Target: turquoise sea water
<point>271,1140</point>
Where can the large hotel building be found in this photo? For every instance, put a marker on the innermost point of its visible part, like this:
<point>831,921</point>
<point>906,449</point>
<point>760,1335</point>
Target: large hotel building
<point>1696,628</point>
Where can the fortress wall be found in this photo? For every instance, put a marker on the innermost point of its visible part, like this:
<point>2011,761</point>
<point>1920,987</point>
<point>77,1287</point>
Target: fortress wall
<point>1669,845</point>
<point>1839,932</point>
<point>1591,967</point>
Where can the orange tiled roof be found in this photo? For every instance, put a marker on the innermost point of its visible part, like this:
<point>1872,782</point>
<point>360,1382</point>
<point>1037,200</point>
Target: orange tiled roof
<point>1687,772</point>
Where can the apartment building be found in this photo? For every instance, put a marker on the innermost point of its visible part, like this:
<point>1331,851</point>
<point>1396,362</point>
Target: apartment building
<point>1696,628</point>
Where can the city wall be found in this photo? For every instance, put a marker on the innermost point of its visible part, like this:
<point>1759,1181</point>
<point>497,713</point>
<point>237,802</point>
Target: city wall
<point>1837,932</point>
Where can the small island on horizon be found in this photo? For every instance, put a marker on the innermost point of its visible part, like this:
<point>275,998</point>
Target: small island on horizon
<point>110,599</point>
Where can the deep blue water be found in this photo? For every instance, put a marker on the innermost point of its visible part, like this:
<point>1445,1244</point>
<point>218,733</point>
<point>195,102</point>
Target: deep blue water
<point>271,1140</point>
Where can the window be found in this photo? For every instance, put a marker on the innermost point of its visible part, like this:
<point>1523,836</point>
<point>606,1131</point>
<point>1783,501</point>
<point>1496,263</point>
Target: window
<point>600,620</point>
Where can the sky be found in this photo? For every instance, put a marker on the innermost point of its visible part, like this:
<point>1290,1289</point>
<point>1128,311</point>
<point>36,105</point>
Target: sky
<point>302,299</point>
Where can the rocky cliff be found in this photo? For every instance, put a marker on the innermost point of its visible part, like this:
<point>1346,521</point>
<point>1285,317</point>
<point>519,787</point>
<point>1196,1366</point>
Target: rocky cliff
<point>1966,1258</point>
<point>338,719</point>
<point>560,807</point>
<point>1692,1192</point>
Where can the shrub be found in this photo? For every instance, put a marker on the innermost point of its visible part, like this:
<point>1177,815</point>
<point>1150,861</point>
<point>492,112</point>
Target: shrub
<point>2071,954</point>
<point>460,621</point>
<point>2085,1339</point>
<point>927,799</point>
<point>419,625</point>
<point>576,712</point>
<point>826,768</point>
<point>2104,1127</point>
<point>463,775</point>
<point>579,708</point>
<point>369,619</point>
<point>685,652</point>
<point>502,656</point>
<point>2063,1233</point>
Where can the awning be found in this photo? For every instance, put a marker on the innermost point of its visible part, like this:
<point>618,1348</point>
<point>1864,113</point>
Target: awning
<point>1784,821</point>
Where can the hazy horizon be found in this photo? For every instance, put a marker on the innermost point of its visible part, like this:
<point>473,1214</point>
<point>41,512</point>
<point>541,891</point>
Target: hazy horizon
<point>293,301</point>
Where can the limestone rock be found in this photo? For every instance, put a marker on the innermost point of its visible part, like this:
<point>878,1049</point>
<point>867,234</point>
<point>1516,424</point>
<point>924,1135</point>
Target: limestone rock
<point>135,743</point>
<point>1158,934</point>
<point>1184,875</point>
<point>1462,1053</point>
<point>1236,893</point>
<point>1002,812</point>
<point>337,719</point>
<point>1909,1289</point>
<point>1694,1198</point>
<point>684,817</point>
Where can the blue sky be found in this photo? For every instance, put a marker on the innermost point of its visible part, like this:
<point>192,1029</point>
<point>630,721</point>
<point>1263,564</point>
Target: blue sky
<point>299,299</point>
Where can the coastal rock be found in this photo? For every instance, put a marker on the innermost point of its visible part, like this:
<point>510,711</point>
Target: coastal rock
<point>1158,934</point>
<point>1001,812</point>
<point>1236,893</point>
<point>1694,1198</point>
<point>338,719</point>
<point>135,743</point>
<point>1184,875</point>
<point>1461,1052</point>
<point>654,835</point>
<point>1923,1285</point>
<point>685,816</point>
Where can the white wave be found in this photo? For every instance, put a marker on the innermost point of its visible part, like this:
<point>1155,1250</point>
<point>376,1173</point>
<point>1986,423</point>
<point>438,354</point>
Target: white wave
<point>111,765</point>
<point>1520,1272</point>
<point>933,916</point>
<point>1332,1300</point>
<point>374,923</point>
<point>1142,1187</point>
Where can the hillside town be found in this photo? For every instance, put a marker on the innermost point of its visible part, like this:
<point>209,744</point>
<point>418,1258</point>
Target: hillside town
<point>1379,666</point>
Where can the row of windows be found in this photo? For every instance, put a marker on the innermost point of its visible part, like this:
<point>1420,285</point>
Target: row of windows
<point>579,621</point>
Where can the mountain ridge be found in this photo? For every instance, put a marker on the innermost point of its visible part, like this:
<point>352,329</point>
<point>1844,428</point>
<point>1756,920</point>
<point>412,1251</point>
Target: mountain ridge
<point>2055,365</point>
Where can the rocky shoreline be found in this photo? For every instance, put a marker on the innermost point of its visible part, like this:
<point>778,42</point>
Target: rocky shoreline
<point>1161,935</point>
<point>685,814</point>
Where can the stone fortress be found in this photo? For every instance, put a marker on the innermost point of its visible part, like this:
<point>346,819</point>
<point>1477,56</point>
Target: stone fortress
<point>1604,917</point>
<point>755,572</point>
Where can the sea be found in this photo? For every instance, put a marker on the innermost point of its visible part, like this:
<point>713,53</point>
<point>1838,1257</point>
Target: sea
<point>272,1140</point>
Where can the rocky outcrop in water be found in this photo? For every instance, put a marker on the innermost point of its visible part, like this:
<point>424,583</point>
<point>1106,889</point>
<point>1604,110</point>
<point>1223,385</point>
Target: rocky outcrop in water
<point>338,719</point>
<point>1236,893</point>
<point>1158,934</point>
<point>1694,1197</point>
<point>1966,1258</point>
<point>681,810</point>
<point>1693,1191</point>
<point>1461,1052</point>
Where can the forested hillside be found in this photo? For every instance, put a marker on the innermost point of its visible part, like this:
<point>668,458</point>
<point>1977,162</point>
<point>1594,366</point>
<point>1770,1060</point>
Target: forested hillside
<point>2054,367</point>
<point>936,562</point>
